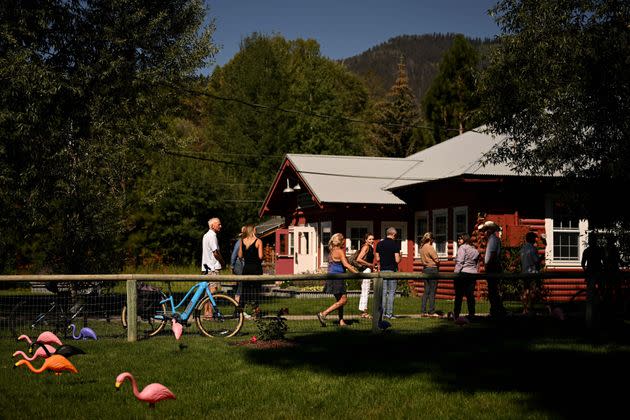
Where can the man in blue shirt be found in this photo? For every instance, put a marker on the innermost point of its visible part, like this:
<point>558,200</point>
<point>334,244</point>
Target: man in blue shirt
<point>387,258</point>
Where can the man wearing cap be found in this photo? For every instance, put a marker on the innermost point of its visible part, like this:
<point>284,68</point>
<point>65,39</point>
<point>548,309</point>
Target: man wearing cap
<point>492,263</point>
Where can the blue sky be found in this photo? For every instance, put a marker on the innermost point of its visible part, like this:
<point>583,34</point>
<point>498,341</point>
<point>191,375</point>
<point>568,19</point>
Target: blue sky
<point>345,28</point>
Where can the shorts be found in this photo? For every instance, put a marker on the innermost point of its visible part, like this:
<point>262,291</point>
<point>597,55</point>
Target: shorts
<point>213,284</point>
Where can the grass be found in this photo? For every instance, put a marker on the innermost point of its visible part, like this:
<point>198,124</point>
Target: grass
<point>425,369</point>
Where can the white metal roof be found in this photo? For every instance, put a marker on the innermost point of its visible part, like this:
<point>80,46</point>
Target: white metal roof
<point>460,155</point>
<point>350,179</point>
<point>355,179</point>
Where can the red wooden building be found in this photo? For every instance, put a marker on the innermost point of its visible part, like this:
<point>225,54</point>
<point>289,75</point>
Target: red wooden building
<point>444,189</point>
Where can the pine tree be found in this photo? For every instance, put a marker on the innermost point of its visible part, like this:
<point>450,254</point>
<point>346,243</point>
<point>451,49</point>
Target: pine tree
<point>394,134</point>
<point>451,103</point>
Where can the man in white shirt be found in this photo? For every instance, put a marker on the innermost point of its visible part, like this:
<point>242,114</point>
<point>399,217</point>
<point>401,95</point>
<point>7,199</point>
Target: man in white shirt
<point>211,259</point>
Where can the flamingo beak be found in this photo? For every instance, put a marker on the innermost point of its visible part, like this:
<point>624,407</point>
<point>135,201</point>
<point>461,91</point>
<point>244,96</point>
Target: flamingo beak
<point>118,384</point>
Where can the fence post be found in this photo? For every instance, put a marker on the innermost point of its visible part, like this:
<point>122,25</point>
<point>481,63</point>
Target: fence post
<point>377,306</point>
<point>132,311</point>
<point>590,302</point>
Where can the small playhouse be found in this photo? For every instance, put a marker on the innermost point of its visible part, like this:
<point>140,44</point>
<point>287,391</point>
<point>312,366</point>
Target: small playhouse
<point>444,189</point>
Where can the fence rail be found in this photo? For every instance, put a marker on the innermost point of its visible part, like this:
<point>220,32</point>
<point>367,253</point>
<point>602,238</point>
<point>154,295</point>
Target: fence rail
<point>130,295</point>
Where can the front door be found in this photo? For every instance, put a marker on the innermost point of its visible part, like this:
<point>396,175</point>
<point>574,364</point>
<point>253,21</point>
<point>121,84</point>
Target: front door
<point>304,249</point>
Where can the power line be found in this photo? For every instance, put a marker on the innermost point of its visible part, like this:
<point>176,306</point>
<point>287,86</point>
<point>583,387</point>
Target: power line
<point>300,112</point>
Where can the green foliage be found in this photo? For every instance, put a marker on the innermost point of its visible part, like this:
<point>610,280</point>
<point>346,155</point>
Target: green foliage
<point>558,86</point>
<point>394,134</point>
<point>273,328</point>
<point>292,75</point>
<point>81,100</point>
<point>452,101</point>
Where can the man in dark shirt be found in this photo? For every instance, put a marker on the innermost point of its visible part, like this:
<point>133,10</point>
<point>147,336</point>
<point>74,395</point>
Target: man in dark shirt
<point>387,257</point>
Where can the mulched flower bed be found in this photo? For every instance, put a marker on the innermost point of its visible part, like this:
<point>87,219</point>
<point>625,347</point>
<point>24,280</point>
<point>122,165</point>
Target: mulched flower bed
<point>270,344</point>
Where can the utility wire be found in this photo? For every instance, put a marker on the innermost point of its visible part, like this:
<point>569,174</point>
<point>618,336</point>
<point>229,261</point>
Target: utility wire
<point>299,112</point>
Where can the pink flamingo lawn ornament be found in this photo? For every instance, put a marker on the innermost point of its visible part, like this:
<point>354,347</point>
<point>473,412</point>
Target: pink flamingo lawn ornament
<point>177,329</point>
<point>151,393</point>
<point>46,337</point>
<point>54,363</point>
<point>44,351</point>
<point>84,334</point>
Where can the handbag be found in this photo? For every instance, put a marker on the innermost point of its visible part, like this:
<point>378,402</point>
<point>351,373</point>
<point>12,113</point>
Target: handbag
<point>238,266</point>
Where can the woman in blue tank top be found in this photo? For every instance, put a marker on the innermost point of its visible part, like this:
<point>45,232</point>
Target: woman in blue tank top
<point>337,263</point>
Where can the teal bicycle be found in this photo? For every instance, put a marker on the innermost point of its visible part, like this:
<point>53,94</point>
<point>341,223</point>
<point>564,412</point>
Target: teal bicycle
<point>215,315</point>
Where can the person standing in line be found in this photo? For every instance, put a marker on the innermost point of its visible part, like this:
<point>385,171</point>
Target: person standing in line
<point>233,261</point>
<point>466,262</point>
<point>431,263</point>
<point>366,259</point>
<point>530,263</point>
<point>337,264</point>
<point>593,266</point>
<point>492,264</point>
<point>251,251</point>
<point>211,259</point>
<point>387,257</point>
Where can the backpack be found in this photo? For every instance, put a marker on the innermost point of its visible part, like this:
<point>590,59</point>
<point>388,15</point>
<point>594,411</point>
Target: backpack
<point>352,259</point>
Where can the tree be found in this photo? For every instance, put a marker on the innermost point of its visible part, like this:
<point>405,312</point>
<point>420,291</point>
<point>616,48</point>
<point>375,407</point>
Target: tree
<point>558,87</point>
<point>394,134</point>
<point>82,97</point>
<point>451,104</point>
<point>288,99</point>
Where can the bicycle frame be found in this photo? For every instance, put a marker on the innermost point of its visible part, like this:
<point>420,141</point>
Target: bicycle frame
<point>197,292</point>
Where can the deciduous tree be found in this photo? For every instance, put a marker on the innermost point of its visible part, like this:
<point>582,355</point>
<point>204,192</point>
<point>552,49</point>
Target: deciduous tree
<point>558,87</point>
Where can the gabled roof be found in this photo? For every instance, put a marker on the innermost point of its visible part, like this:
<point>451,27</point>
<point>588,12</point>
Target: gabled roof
<point>350,179</point>
<point>370,180</point>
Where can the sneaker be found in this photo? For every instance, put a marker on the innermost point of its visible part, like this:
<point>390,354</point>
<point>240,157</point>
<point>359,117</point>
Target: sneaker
<point>321,318</point>
<point>246,315</point>
<point>390,316</point>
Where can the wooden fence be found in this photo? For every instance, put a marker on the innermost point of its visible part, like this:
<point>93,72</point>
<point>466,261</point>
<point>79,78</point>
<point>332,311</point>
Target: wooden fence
<point>132,279</point>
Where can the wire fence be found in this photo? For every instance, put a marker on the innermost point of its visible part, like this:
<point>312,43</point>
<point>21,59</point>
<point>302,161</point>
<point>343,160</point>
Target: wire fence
<point>106,304</point>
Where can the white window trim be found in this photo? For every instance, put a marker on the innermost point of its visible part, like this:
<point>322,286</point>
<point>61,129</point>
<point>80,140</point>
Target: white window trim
<point>438,213</point>
<point>323,226</point>
<point>456,211</point>
<point>368,224</point>
<point>418,215</point>
<point>403,239</point>
<point>549,230</point>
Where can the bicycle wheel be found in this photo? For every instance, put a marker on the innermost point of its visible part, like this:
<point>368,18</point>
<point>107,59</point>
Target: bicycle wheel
<point>149,324</point>
<point>226,318</point>
<point>20,319</point>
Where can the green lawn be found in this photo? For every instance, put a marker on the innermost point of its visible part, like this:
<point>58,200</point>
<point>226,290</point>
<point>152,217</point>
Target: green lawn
<point>418,369</point>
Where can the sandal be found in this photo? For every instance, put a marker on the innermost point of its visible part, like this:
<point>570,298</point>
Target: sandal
<point>366,315</point>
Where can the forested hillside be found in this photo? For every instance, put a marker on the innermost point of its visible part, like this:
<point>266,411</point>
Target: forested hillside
<point>378,65</point>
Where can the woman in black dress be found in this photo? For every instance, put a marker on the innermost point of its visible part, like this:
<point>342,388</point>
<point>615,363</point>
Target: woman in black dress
<point>251,251</point>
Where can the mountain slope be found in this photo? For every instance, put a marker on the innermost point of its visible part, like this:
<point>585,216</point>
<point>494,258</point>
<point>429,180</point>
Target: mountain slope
<point>422,53</point>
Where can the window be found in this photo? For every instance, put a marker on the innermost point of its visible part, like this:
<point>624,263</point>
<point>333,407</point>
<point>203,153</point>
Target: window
<point>324,234</point>
<point>564,243</point>
<point>355,231</point>
<point>401,234</point>
<point>566,235</point>
<point>460,224</point>
<point>283,249</point>
<point>291,244</point>
<point>440,230</point>
<point>422,227</point>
